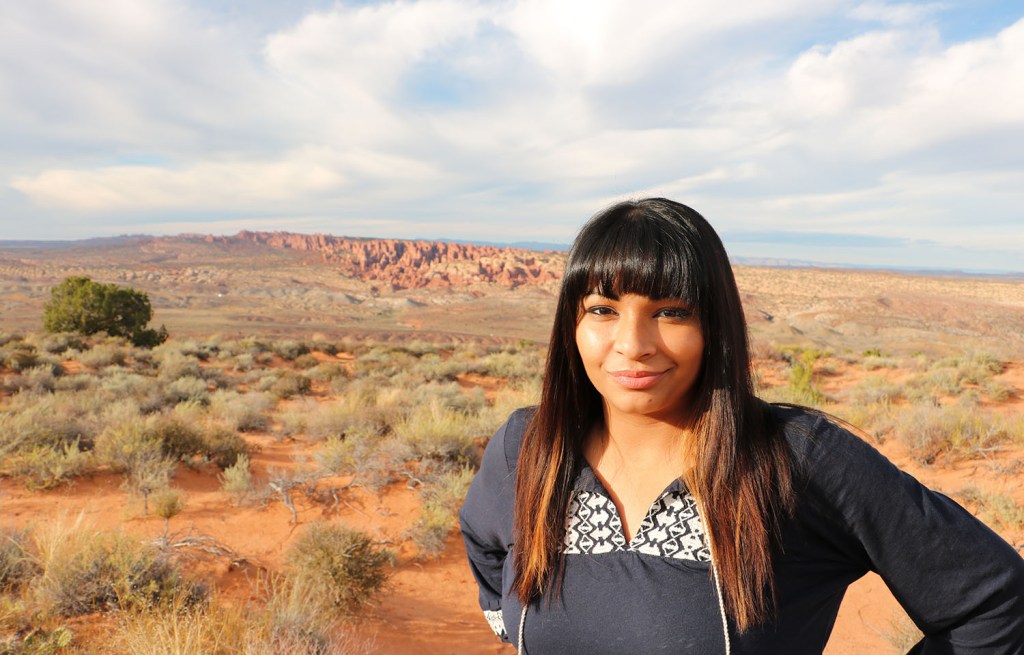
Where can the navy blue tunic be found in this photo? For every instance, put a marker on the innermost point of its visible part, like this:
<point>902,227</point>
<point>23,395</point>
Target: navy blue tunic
<point>959,582</point>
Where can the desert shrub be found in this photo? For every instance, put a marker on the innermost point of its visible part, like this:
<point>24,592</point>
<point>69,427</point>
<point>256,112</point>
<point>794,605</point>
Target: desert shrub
<point>178,439</point>
<point>875,420</point>
<point>511,365</point>
<point>997,391</point>
<point>341,568</point>
<point>442,499</point>
<point>102,355</point>
<point>448,394</point>
<point>43,467</point>
<point>321,343</point>
<point>244,412</point>
<point>337,418</point>
<point>21,359</point>
<point>216,377</point>
<point>290,384</point>
<point>223,446</point>
<point>94,571</point>
<point>950,374</point>
<point>7,338</point>
<point>876,362</point>
<point>60,342</point>
<point>77,382</point>
<point>305,362</point>
<point>37,640</point>
<point>431,368</point>
<point>370,460</point>
<point>287,623</point>
<point>173,364</point>
<point>38,379</point>
<point>149,476</point>
<point>948,431</point>
<point>187,389</point>
<point>435,431</point>
<point>236,479</point>
<point>124,445</point>
<point>290,349</point>
<point>50,421</point>
<point>167,503</point>
<point>874,389</point>
<point>942,382</point>
<point>327,372</point>
<point>996,509</point>
<point>16,565</point>
<point>194,349</point>
<point>243,362</point>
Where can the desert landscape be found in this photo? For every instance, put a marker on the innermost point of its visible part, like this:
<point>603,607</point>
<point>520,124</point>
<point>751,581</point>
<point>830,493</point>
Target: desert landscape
<point>319,394</point>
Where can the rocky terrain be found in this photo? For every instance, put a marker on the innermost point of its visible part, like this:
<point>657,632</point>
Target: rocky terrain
<point>415,264</point>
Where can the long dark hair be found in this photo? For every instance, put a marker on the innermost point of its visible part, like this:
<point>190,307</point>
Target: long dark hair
<point>738,463</point>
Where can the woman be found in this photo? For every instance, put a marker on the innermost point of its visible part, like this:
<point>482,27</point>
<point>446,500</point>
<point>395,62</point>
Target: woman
<point>651,503</point>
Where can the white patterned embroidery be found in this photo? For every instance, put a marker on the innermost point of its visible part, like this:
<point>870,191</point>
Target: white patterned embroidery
<point>594,525</point>
<point>497,622</point>
<point>672,528</point>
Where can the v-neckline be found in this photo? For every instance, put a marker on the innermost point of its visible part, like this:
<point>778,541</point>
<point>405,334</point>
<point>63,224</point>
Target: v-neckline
<point>588,480</point>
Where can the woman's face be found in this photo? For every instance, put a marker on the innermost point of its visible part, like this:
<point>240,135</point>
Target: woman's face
<point>642,355</point>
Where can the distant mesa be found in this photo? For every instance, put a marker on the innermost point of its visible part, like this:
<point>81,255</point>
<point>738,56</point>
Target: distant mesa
<point>415,264</point>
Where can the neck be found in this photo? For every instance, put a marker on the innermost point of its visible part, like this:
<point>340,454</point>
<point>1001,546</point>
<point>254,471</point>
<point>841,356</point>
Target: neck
<point>637,442</point>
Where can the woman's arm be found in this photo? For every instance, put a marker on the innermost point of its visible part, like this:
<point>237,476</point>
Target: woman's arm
<point>958,581</point>
<point>486,516</point>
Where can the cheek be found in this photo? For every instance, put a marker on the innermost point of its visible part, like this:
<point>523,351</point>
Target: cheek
<point>588,344</point>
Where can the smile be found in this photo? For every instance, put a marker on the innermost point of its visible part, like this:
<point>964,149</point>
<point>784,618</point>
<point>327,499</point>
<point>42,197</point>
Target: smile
<point>636,379</point>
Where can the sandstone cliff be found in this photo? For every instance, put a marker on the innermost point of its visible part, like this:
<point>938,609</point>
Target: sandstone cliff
<point>416,264</point>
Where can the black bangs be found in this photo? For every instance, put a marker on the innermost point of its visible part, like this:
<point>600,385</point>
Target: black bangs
<point>629,249</point>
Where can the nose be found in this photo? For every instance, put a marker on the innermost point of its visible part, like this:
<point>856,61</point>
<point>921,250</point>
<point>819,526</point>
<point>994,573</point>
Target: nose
<point>635,336</point>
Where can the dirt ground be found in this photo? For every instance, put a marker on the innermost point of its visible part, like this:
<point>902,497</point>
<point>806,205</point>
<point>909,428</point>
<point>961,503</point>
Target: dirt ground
<point>430,606</point>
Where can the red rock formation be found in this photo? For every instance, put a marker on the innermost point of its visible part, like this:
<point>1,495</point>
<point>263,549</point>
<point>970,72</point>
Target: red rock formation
<point>416,264</point>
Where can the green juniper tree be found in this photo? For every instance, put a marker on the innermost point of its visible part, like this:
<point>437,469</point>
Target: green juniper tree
<point>80,305</point>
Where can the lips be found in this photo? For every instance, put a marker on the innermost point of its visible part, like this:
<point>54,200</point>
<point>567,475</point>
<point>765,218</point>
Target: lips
<point>637,379</point>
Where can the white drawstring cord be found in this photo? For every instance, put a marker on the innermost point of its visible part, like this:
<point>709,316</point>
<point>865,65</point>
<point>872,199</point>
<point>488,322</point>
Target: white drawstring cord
<point>522,626</point>
<point>721,607</point>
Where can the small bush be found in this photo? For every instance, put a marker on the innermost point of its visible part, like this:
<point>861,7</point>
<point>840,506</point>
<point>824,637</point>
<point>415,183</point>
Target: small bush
<point>21,359</point>
<point>16,565</point>
<point>178,439</point>
<point>236,479</point>
<point>442,499</point>
<point>290,384</point>
<point>998,510</point>
<point>243,412</point>
<point>44,467</point>
<point>187,389</point>
<point>434,431</point>
<point>173,364</point>
<point>288,623</point>
<point>223,446</point>
<point>874,363</point>
<point>874,389</point>
<point>100,572</point>
<point>123,446</point>
<point>289,349</point>
<point>948,431</point>
<point>341,568</point>
<point>103,355</point>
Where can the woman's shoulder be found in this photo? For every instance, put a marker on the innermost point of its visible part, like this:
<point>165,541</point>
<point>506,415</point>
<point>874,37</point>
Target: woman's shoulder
<point>818,439</point>
<point>509,436</point>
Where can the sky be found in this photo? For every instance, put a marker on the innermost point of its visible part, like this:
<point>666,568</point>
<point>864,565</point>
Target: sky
<point>859,132</point>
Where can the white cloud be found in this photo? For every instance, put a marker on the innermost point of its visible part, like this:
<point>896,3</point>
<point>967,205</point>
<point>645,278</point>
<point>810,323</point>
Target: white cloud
<point>435,113</point>
<point>904,13</point>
